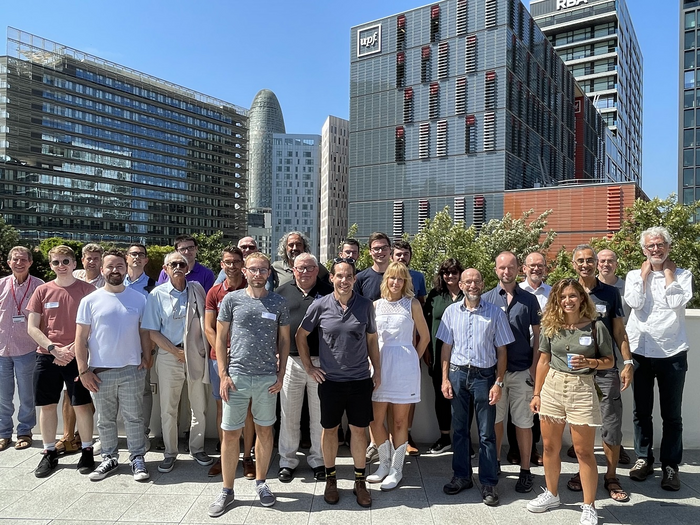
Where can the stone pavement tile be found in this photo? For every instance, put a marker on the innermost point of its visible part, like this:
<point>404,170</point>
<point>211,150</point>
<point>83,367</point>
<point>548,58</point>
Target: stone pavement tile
<point>163,507</point>
<point>10,496</point>
<point>102,507</point>
<point>41,503</point>
<point>401,513</point>
<point>187,477</point>
<point>72,522</point>
<point>10,521</point>
<point>235,514</point>
<point>407,491</point>
<point>456,513</point>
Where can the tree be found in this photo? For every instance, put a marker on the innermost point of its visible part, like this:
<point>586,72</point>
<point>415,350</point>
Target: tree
<point>209,249</point>
<point>9,238</point>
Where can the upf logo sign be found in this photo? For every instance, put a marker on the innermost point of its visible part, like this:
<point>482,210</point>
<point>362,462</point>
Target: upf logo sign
<point>563,4</point>
<point>369,40</point>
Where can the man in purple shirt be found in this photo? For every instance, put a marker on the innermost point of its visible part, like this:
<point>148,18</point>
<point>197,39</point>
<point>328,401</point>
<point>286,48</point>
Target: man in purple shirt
<point>186,245</point>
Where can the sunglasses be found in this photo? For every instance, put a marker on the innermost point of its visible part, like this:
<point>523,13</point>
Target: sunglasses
<point>178,264</point>
<point>248,247</point>
<point>347,260</point>
<point>64,262</point>
<point>450,272</point>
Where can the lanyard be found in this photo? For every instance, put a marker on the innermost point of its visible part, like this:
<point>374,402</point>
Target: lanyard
<point>19,304</point>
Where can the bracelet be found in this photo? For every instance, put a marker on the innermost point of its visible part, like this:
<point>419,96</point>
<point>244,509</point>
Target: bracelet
<point>597,364</point>
<point>84,372</point>
<point>535,395</point>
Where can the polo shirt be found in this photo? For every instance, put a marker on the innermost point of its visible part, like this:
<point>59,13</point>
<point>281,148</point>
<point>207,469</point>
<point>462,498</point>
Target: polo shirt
<point>368,284</point>
<point>298,303</point>
<point>140,285</point>
<point>608,304</point>
<point>199,273</point>
<point>523,312</point>
<point>342,335</point>
<point>541,293</point>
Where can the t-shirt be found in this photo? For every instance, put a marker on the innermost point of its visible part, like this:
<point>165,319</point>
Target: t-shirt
<point>254,325</point>
<point>213,303</point>
<point>368,284</point>
<point>114,320</point>
<point>418,279</point>
<point>578,341</point>
<point>608,304</point>
<point>342,335</point>
<point>58,307</point>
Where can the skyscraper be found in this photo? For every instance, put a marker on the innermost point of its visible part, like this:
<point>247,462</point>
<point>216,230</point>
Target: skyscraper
<point>334,185</point>
<point>689,104</point>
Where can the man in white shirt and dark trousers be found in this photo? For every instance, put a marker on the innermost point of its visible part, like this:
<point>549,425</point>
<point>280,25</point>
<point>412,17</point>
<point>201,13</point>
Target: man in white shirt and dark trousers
<point>657,295</point>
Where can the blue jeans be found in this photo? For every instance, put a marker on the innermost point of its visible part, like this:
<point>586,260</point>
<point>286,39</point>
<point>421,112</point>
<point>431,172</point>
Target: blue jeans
<point>467,385</point>
<point>669,373</point>
<point>21,368</point>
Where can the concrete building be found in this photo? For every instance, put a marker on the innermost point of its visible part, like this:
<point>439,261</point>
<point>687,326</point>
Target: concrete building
<point>596,40</point>
<point>334,186</point>
<point>689,104</point>
<point>92,150</point>
<point>296,180</point>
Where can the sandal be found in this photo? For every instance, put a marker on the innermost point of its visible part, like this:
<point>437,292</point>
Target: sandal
<point>65,446</point>
<point>615,490</point>
<point>23,442</point>
<point>575,483</point>
<point>5,443</point>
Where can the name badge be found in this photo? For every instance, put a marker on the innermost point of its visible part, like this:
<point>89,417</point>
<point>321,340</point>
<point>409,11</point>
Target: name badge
<point>18,319</point>
<point>270,316</point>
<point>585,340</point>
<point>601,309</point>
<point>51,305</point>
<point>504,308</point>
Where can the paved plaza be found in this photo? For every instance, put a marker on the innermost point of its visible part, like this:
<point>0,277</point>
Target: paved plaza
<point>183,496</point>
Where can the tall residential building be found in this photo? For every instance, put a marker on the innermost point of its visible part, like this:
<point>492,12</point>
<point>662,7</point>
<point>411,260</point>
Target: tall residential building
<point>265,120</point>
<point>296,178</point>
<point>453,104</point>
<point>596,40</point>
<point>689,100</point>
<point>334,186</point>
<point>92,150</point>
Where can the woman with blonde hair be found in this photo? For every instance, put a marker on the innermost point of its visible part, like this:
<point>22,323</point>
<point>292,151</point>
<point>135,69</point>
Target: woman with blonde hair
<point>572,347</point>
<point>399,316</point>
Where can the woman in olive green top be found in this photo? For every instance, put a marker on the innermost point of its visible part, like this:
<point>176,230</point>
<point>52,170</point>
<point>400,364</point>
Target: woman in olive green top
<point>445,292</point>
<point>565,392</point>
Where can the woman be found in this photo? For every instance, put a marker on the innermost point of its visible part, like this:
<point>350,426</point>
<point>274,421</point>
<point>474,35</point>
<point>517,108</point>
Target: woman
<point>399,316</point>
<point>572,348</point>
<point>445,292</point>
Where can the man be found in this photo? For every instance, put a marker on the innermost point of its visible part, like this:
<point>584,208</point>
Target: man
<point>113,353</point>
<point>610,382</point>
<point>347,337</point>
<point>186,245</point>
<point>368,280</point>
<point>523,312</point>
<point>92,258</point>
<point>349,249</point>
<point>474,334</point>
<point>291,244</point>
<point>657,295</point>
<point>17,349</point>
<point>299,294</point>
<point>175,318</point>
<point>232,265</point>
<point>258,323</point>
<point>51,323</point>
<point>607,268</point>
<point>247,245</point>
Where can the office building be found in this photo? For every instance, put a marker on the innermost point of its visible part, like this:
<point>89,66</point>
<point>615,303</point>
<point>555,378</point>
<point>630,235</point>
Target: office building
<point>689,101</point>
<point>296,180</point>
<point>455,103</point>
<point>334,186</point>
<point>91,150</point>
<point>596,40</point>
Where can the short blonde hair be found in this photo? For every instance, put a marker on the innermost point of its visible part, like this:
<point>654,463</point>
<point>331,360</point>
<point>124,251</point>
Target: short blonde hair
<point>62,249</point>
<point>400,270</point>
<point>257,255</point>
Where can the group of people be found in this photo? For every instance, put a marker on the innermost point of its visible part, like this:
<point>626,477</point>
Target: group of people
<point>525,357</point>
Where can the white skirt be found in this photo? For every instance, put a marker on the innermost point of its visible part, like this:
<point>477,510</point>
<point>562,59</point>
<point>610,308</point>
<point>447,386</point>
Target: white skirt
<point>400,375</point>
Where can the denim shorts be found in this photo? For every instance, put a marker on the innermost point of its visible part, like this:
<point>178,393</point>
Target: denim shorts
<point>251,390</point>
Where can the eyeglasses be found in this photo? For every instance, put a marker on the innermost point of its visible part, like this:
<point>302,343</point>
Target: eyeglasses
<point>449,273</point>
<point>185,249</point>
<point>248,247</point>
<point>471,281</point>
<point>590,260</point>
<point>235,262</point>
<point>655,245</point>
<point>378,249</point>
<point>347,260</point>
<point>256,271</point>
<point>178,264</point>
<point>305,269</point>
<point>535,266</point>
<point>136,254</point>
<point>64,262</point>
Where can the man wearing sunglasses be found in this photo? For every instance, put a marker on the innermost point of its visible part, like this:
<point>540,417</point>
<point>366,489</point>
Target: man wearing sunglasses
<point>186,245</point>
<point>52,312</point>
<point>175,317</point>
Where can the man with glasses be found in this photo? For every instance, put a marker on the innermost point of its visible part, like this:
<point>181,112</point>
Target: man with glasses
<point>368,280</point>
<point>299,294</point>
<point>658,294</point>
<point>175,318</point>
<point>291,245</point>
<point>349,249</point>
<point>17,349</point>
<point>247,245</point>
<point>186,245</point>
<point>232,265</point>
<point>258,324</point>
<point>52,312</point>
<point>92,260</point>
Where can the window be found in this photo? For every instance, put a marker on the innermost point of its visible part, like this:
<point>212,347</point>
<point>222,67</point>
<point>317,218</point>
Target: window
<point>400,69</point>
<point>489,131</point>
<point>479,211</point>
<point>401,32</point>
<point>425,64</point>
<point>460,96</point>
<point>689,20</point>
<point>490,90</point>
<point>443,60</point>
<point>689,59</point>
<point>470,55</point>
<point>408,105</point>
<point>470,134</point>
<point>424,141</point>
<point>689,80</point>
<point>490,14</point>
<point>461,17</point>
<point>434,104</point>
<point>441,149</point>
<point>400,148</point>
<point>689,40</point>
<point>435,23</point>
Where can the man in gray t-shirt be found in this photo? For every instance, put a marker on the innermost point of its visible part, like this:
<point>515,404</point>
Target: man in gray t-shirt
<point>258,322</point>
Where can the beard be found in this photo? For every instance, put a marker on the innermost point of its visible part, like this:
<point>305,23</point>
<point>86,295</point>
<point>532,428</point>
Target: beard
<point>115,279</point>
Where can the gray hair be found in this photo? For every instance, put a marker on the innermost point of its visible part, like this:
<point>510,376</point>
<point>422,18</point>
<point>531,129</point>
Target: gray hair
<point>655,231</point>
<point>92,248</point>
<point>282,248</point>
<point>20,249</point>
<point>307,255</point>
<point>173,255</point>
<point>584,247</point>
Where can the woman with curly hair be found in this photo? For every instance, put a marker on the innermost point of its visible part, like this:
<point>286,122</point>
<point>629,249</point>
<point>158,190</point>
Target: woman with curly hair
<point>399,316</point>
<point>572,347</point>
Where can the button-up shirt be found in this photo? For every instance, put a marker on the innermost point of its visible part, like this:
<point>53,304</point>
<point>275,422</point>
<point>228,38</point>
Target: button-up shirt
<point>541,293</point>
<point>139,284</point>
<point>475,334</point>
<point>97,282</point>
<point>198,273</point>
<point>656,326</point>
<point>166,312</point>
<point>14,297</point>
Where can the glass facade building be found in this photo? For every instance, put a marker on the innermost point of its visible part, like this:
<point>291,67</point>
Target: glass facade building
<point>689,100</point>
<point>334,186</point>
<point>454,103</point>
<point>91,150</point>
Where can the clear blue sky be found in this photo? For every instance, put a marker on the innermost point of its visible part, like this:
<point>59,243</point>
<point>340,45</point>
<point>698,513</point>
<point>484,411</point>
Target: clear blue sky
<point>230,49</point>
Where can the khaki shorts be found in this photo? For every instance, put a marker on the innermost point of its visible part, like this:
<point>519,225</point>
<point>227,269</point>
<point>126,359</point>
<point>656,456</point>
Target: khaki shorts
<point>516,394</point>
<point>571,398</point>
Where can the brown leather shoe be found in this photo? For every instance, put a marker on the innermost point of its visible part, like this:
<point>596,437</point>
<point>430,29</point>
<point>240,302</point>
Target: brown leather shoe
<point>248,468</point>
<point>412,449</point>
<point>215,469</point>
<point>330,494</point>
<point>363,497</point>
<point>536,458</point>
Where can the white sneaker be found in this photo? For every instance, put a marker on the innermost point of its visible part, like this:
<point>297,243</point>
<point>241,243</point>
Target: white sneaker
<point>543,502</point>
<point>589,516</point>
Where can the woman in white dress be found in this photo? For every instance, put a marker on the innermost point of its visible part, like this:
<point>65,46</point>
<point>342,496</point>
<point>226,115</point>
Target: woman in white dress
<point>399,316</point>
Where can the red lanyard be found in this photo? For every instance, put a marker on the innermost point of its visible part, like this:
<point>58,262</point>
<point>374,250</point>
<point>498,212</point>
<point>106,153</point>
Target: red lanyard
<point>12,287</point>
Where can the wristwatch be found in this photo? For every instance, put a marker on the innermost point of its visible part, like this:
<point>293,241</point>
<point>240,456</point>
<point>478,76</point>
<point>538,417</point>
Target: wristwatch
<point>499,383</point>
<point>628,362</point>
<point>51,348</point>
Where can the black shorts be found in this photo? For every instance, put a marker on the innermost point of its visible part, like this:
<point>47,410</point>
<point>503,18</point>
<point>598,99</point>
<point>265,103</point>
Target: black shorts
<point>351,397</point>
<point>50,378</point>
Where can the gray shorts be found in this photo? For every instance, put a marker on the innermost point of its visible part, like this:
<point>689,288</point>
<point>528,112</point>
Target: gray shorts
<point>610,405</point>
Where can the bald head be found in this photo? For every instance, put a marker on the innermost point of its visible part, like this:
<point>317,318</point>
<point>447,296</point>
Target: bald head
<point>535,269</point>
<point>472,284</point>
<point>607,266</point>
<point>506,268</point>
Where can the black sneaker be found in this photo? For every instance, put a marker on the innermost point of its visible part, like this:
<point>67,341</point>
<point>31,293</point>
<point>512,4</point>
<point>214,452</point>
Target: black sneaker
<point>441,446</point>
<point>489,495</point>
<point>49,461</point>
<point>670,481</point>
<point>286,474</point>
<point>87,461</point>
<point>320,473</point>
<point>525,482</point>
<point>641,470</point>
<point>457,485</point>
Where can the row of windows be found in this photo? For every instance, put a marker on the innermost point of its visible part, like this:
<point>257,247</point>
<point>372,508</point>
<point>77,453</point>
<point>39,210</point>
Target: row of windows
<point>586,33</point>
<point>588,50</point>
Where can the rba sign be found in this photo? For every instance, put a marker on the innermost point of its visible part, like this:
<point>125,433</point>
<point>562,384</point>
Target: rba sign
<point>369,40</point>
<point>563,4</point>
